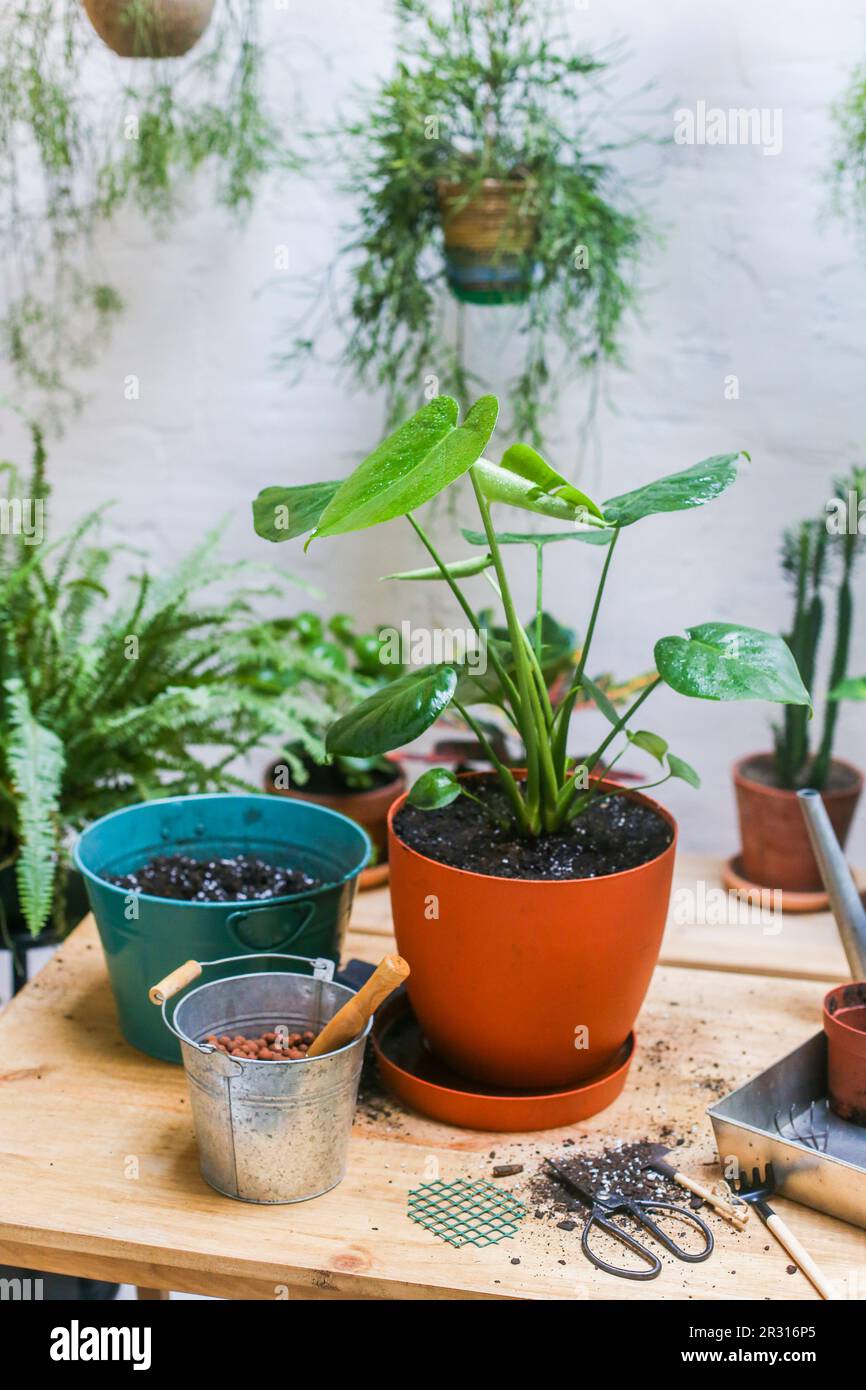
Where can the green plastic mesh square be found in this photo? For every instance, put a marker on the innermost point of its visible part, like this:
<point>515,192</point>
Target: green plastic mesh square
<point>466,1213</point>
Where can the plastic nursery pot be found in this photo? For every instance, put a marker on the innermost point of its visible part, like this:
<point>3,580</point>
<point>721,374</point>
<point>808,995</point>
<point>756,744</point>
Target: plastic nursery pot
<point>508,970</point>
<point>845,1026</point>
<point>776,849</point>
<point>368,809</point>
<point>144,937</point>
<point>164,29</point>
<point>488,241</point>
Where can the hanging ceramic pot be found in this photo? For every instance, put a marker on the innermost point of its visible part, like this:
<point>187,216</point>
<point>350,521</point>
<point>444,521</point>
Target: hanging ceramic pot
<point>489,234</point>
<point>149,28</point>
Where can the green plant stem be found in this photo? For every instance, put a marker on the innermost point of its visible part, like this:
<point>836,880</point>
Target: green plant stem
<point>503,825</point>
<point>505,775</point>
<point>538,674</point>
<point>498,664</point>
<point>539,588</point>
<point>568,792</point>
<point>533,736</point>
<point>566,708</point>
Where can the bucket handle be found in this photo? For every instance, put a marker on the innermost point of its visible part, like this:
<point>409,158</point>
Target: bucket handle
<point>171,984</point>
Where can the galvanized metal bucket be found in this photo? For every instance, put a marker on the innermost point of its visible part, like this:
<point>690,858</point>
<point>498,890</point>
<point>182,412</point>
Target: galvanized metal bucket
<point>268,1131</point>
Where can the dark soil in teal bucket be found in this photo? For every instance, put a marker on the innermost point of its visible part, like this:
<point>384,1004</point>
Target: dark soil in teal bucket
<point>241,878</point>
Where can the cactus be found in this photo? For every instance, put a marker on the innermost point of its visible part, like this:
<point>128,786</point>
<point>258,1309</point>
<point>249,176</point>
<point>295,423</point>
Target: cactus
<point>810,552</point>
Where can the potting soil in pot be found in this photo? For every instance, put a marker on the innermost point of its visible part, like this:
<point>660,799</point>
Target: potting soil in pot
<point>239,879</point>
<point>613,834</point>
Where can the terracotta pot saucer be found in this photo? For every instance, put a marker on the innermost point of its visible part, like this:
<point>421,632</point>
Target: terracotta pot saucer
<point>818,900</point>
<point>417,1078</point>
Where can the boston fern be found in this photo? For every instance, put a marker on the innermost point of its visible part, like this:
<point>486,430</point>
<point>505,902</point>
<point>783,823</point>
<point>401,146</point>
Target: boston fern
<point>104,703</point>
<point>482,90</point>
<point>713,661</point>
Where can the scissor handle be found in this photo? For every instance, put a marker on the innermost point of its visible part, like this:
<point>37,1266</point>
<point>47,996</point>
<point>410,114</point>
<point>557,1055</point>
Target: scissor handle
<point>625,1238</point>
<point>639,1207</point>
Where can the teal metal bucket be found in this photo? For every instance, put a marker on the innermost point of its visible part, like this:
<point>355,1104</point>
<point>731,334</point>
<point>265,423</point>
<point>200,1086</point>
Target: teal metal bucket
<point>144,937</point>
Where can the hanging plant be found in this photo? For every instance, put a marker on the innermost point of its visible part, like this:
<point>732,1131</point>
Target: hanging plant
<point>475,170</point>
<point>149,28</point>
<point>84,135</point>
<point>848,168</point>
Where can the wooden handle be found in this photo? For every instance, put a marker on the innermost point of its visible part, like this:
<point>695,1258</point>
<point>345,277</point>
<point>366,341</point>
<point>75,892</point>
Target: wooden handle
<point>178,979</point>
<point>352,1018</point>
<point>800,1256</point>
<point>737,1216</point>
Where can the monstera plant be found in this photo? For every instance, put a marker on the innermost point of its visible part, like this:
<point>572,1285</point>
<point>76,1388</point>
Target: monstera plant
<point>550,873</point>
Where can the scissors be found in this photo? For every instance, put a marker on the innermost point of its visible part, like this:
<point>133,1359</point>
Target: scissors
<point>604,1208</point>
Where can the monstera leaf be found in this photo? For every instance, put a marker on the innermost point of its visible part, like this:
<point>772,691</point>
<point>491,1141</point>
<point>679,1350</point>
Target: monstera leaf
<point>853,688</point>
<point>595,535</point>
<point>527,463</point>
<point>504,485</point>
<point>281,513</point>
<point>434,789</point>
<point>458,569</point>
<point>394,715</point>
<point>676,493</point>
<point>721,661</point>
<point>411,466</point>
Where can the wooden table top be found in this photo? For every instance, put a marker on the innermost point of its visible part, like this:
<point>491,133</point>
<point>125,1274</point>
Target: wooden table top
<point>100,1174</point>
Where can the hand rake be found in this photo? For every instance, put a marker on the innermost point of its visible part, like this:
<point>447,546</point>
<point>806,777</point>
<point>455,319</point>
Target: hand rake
<point>756,1190</point>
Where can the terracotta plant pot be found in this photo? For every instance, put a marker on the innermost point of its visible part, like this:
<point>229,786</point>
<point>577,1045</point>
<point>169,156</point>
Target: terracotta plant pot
<point>845,1026</point>
<point>166,28</point>
<point>368,809</point>
<point>776,850</point>
<point>487,240</point>
<point>505,972</point>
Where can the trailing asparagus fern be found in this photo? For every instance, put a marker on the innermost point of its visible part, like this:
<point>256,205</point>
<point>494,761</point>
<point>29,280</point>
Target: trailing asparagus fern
<point>494,90</point>
<point>713,661</point>
<point>97,135</point>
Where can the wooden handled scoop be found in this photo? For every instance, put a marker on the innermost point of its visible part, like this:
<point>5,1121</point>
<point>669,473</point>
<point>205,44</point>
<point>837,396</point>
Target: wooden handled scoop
<point>658,1161</point>
<point>352,1018</point>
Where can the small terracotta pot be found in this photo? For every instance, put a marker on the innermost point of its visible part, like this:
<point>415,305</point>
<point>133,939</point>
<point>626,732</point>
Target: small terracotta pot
<point>368,809</point>
<point>776,850</point>
<point>166,29</point>
<point>505,972</point>
<point>845,1026</point>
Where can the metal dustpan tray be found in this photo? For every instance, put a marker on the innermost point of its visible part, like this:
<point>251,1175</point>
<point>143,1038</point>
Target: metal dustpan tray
<point>755,1125</point>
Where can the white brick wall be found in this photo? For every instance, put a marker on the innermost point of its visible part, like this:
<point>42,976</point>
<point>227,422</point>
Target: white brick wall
<point>749,282</point>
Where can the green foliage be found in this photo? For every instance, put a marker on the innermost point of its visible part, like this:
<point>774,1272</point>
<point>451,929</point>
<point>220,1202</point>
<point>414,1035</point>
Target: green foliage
<point>479,91</point>
<point>678,492</point>
<point>103,703</point>
<point>35,765</point>
<point>854,688</point>
<point>848,168</point>
<point>104,134</point>
<point>394,715</point>
<point>358,658</point>
<point>724,661</point>
<point>815,554</point>
<point>410,466</point>
<point>435,788</point>
<point>714,661</point>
